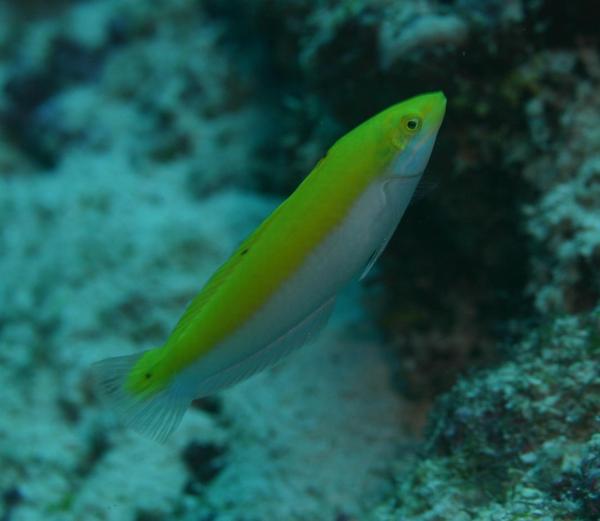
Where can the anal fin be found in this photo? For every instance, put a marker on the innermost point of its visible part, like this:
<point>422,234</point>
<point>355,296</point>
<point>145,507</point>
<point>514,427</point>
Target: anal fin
<point>303,332</point>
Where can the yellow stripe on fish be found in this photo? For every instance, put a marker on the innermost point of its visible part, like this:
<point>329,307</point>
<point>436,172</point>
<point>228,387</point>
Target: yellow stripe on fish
<point>277,289</point>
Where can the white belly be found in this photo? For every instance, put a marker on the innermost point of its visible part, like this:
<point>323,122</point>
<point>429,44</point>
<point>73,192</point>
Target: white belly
<point>341,257</point>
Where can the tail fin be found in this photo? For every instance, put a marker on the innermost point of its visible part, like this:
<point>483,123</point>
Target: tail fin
<point>155,415</point>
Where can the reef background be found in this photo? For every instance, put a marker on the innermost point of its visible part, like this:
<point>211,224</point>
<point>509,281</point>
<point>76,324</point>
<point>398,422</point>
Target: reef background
<point>141,140</point>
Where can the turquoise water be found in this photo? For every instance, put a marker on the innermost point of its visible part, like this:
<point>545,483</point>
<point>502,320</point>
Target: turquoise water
<point>141,141</point>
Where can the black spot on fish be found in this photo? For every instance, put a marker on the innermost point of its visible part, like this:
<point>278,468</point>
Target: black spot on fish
<point>244,251</point>
<point>148,376</point>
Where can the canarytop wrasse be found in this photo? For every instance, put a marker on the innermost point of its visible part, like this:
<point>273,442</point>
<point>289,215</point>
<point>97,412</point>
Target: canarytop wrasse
<point>277,290</point>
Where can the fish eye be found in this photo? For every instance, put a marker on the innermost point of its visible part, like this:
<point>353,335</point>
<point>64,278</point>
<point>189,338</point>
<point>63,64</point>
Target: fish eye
<point>412,124</point>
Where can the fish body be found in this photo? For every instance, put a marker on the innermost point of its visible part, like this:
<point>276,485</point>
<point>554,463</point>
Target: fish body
<point>278,288</point>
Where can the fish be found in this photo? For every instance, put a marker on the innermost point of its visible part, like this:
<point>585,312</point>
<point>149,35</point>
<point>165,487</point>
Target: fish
<point>277,290</point>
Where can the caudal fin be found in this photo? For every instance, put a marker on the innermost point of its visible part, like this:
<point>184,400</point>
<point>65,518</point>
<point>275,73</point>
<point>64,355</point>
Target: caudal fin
<point>155,415</point>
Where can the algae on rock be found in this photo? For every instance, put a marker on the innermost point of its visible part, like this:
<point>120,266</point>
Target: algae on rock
<point>515,442</point>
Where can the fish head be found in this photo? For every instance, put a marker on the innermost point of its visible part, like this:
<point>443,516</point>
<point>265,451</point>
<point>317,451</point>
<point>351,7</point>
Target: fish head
<point>411,128</point>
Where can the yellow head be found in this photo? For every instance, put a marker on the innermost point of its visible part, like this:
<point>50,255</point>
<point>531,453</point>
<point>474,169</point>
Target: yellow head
<point>396,142</point>
<point>411,128</point>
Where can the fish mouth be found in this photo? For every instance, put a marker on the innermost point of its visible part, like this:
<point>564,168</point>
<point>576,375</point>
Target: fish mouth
<point>435,108</point>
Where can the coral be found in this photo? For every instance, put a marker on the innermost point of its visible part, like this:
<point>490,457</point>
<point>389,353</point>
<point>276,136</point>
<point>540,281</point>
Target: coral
<point>203,460</point>
<point>404,32</point>
<point>183,111</point>
<point>30,117</point>
<point>565,223</point>
<point>579,482</point>
<point>114,265</point>
<point>518,441</point>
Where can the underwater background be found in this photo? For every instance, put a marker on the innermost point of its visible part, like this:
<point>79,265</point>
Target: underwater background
<point>141,140</point>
